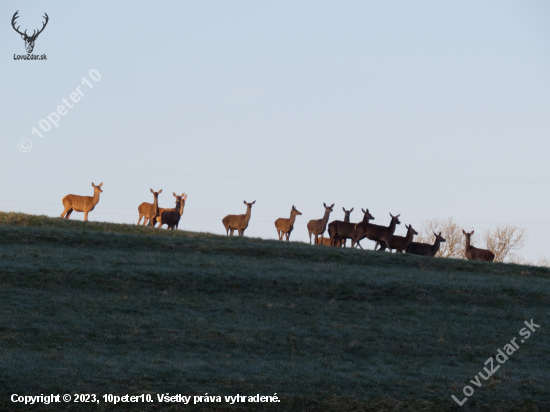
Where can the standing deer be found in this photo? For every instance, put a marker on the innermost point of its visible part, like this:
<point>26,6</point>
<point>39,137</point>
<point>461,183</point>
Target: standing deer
<point>425,249</point>
<point>285,226</point>
<point>317,227</point>
<point>347,214</point>
<point>340,231</point>
<point>473,253</point>
<point>399,243</point>
<point>171,217</point>
<point>81,203</point>
<point>238,222</point>
<point>374,232</point>
<point>148,211</point>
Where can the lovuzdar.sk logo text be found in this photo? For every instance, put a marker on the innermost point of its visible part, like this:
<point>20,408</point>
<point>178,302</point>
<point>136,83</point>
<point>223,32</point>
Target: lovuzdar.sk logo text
<point>29,40</point>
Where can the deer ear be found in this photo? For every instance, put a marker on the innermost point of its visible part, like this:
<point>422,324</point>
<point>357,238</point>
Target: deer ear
<point>152,191</point>
<point>398,215</point>
<point>174,193</point>
<point>463,231</point>
<point>351,210</point>
<point>391,215</point>
<point>160,191</point>
<point>244,202</point>
<point>363,210</point>
<point>324,204</point>
<point>93,184</point>
<point>99,185</point>
<point>344,209</point>
<point>332,206</point>
<point>185,198</point>
<point>253,202</point>
<point>472,232</point>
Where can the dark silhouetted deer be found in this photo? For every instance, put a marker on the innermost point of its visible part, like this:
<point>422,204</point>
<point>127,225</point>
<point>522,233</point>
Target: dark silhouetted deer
<point>317,227</point>
<point>238,222</point>
<point>473,253</point>
<point>425,249</point>
<point>285,226</point>
<point>148,211</point>
<point>171,217</point>
<point>374,232</point>
<point>81,203</point>
<point>399,243</point>
<point>340,231</point>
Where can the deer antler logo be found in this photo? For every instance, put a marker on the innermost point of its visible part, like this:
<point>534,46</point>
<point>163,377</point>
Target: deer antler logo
<point>29,40</point>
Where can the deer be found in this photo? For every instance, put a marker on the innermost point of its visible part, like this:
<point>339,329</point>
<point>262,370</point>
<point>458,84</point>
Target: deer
<point>29,40</point>
<point>341,231</point>
<point>317,227</point>
<point>374,232</point>
<point>473,253</point>
<point>148,211</point>
<point>171,217</point>
<point>238,222</point>
<point>425,249</point>
<point>342,242</point>
<point>285,226</point>
<point>81,203</point>
<point>399,243</point>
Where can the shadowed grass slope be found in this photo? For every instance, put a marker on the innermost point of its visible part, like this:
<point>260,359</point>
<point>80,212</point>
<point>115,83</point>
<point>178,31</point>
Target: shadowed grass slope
<point>107,308</point>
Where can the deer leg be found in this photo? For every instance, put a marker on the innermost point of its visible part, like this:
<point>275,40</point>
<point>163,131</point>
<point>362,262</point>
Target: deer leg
<point>85,216</point>
<point>358,244</point>
<point>287,236</point>
<point>68,215</point>
<point>139,220</point>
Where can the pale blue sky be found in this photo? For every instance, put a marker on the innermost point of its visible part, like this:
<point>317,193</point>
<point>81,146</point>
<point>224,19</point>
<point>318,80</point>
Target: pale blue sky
<point>424,108</point>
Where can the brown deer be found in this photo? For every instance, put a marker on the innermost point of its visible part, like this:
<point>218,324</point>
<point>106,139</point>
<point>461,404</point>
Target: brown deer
<point>171,217</point>
<point>473,253</point>
<point>285,226</point>
<point>81,203</point>
<point>317,227</point>
<point>347,214</point>
<point>148,211</point>
<point>325,241</point>
<point>425,249</point>
<point>340,231</point>
<point>374,232</point>
<point>399,243</point>
<point>238,222</point>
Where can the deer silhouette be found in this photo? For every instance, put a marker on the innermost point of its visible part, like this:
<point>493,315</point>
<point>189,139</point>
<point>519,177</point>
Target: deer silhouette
<point>399,243</point>
<point>171,217</point>
<point>81,203</point>
<point>238,222</point>
<point>473,253</point>
<point>285,226</point>
<point>374,232</point>
<point>29,40</point>
<point>340,231</point>
<point>425,249</point>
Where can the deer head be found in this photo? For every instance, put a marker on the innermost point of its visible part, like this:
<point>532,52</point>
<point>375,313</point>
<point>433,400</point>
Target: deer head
<point>409,227</point>
<point>439,237</point>
<point>295,211</point>
<point>97,188</point>
<point>29,40</point>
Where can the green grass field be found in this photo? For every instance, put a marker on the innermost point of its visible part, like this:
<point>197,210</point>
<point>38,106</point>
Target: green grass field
<point>106,308</point>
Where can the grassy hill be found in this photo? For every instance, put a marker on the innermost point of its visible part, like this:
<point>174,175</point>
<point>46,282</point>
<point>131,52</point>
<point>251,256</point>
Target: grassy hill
<point>106,308</point>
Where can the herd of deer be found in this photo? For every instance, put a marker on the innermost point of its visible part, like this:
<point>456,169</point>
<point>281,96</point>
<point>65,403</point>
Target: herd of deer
<point>339,231</point>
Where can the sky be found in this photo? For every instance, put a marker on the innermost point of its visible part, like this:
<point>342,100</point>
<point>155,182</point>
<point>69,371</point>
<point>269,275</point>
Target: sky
<point>429,109</point>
